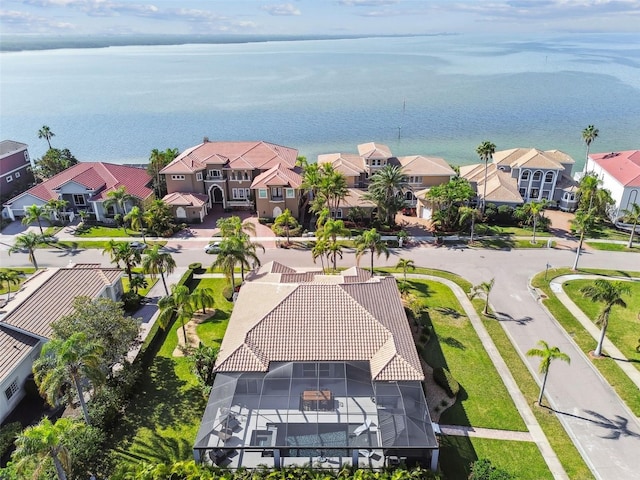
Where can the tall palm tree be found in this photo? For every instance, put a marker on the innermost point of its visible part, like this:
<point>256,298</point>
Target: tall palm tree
<point>533,210</point>
<point>234,226</point>
<point>39,443</point>
<point>46,133</point>
<point>156,262</point>
<point>582,222</point>
<point>387,188</point>
<point>589,134</point>
<point>122,252</point>
<point>178,303</point>
<point>332,187</point>
<point>632,215</point>
<point>405,264</point>
<point>69,362</point>
<point>320,249</point>
<point>28,241</point>
<point>372,241</point>
<point>485,150</point>
<point>137,219</point>
<point>203,298</point>
<point>232,252</point>
<point>610,295</point>
<point>249,250</point>
<point>33,213</point>
<point>587,190</point>
<point>484,289</point>
<point>469,213</point>
<point>334,250</point>
<point>10,277</point>
<point>547,355</point>
<point>330,231</point>
<point>118,197</point>
<point>287,221</point>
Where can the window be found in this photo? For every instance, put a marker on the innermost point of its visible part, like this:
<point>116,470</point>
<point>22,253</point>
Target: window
<point>79,200</point>
<point>9,178</point>
<point>413,179</point>
<point>291,193</point>
<point>525,176</point>
<point>26,156</point>
<point>409,196</point>
<point>534,193</point>
<point>276,192</point>
<point>548,177</point>
<point>537,176</point>
<point>199,176</point>
<point>247,193</point>
<point>245,175</point>
<point>339,213</point>
<point>17,174</point>
<point>523,192</point>
<point>177,177</point>
<point>262,193</point>
<point>240,193</point>
<point>12,389</point>
<point>215,173</point>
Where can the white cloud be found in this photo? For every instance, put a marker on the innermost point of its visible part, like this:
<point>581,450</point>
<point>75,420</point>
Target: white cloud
<point>367,3</point>
<point>283,9</point>
<point>31,23</point>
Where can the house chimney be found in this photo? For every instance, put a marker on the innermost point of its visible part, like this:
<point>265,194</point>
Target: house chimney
<point>205,140</point>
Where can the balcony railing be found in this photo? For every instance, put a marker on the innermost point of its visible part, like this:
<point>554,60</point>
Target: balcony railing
<point>277,199</point>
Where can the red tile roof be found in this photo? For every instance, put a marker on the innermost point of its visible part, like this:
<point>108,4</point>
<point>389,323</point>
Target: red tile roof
<point>623,166</point>
<point>186,199</point>
<point>101,176</point>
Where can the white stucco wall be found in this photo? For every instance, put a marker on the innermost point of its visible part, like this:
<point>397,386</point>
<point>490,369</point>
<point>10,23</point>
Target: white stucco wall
<point>20,373</point>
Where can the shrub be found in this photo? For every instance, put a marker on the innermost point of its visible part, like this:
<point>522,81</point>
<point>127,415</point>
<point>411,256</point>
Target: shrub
<point>227,293</point>
<point>483,470</point>
<point>443,377</point>
<point>8,434</point>
<point>131,301</point>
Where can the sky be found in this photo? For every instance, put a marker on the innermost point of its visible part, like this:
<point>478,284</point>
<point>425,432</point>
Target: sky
<point>316,17</point>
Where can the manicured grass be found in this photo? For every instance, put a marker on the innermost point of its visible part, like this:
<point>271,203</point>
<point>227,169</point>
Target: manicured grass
<point>100,244</point>
<point>483,400</point>
<point>610,233</point>
<point>483,229</point>
<point>27,271</point>
<point>523,460</point>
<point>608,367</point>
<point>100,231</point>
<point>163,419</point>
<point>624,324</point>
<point>142,291</point>
<point>614,247</point>
<point>508,243</point>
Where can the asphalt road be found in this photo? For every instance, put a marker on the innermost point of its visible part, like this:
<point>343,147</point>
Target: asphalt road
<point>604,430</point>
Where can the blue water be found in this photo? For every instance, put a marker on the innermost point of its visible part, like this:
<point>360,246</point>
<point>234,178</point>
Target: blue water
<point>444,95</point>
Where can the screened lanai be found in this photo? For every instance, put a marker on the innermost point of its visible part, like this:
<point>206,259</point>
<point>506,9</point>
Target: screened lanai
<point>319,412</point>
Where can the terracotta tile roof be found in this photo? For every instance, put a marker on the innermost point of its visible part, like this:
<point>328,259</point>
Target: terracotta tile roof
<point>354,199</point>
<point>348,164</point>
<point>54,298</point>
<point>623,166</point>
<point>350,317</point>
<point>374,150</point>
<point>425,166</point>
<point>234,155</point>
<point>279,176</point>
<point>93,176</point>
<point>185,199</point>
<point>14,347</point>
<point>532,158</point>
<point>501,186</point>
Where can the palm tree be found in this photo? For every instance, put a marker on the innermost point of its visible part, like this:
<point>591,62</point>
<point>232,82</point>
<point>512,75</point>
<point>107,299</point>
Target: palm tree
<point>334,250</point>
<point>123,252</point>
<point>249,250</point>
<point>232,252</point>
<point>533,210</point>
<point>332,187</point>
<point>287,221</point>
<point>33,213</point>
<point>589,134</point>
<point>137,219</point>
<point>483,288</point>
<point>55,207</point>
<point>137,282</point>
<point>610,294</point>
<point>203,298</point>
<point>632,215</point>
<point>71,361</point>
<point>180,304</point>
<point>330,231</point>
<point>233,226</point>
<point>387,188</point>
<point>582,222</point>
<point>39,443</point>
<point>156,262</point>
<point>118,198</point>
<point>320,249</point>
<point>10,277</point>
<point>405,264</point>
<point>469,213</point>
<point>46,133</point>
<point>587,190</point>
<point>485,150</point>
<point>547,354</point>
<point>28,241</point>
<point>372,241</point>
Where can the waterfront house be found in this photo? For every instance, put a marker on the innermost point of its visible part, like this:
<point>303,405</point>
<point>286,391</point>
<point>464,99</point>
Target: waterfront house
<point>258,176</point>
<point>25,321</point>
<point>16,174</point>
<point>85,186</point>
<point>620,174</point>
<point>317,369</point>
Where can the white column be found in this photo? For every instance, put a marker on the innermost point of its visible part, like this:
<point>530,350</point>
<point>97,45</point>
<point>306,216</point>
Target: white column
<point>553,186</point>
<point>434,459</point>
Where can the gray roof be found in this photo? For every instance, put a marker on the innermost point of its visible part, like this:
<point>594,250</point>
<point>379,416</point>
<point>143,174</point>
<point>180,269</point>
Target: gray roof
<point>14,347</point>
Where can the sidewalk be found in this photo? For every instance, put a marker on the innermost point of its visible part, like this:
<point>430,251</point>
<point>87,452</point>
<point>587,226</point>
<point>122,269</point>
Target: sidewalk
<point>462,431</point>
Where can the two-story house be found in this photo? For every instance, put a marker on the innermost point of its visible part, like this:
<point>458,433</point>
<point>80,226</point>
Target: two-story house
<point>521,175</point>
<point>15,169</point>
<point>85,186</point>
<point>258,176</point>
<point>422,173</point>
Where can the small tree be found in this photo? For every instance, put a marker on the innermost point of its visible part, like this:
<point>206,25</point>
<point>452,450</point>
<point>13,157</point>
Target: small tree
<point>10,277</point>
<point>632,215</point>
<point>34,213</point>
<point>583,221</point>
<point>179,303</point>
<point>532,211</point>
<point>547,354</point>
<point>156,262</point>
<point>372,241</point>
<point>287,221</point>
<point>484,289</point>
<point>118,198</point>
<point>203,298</point>
<point>469,214</point>
<point>28,241</point>
<point>137,282</point>
<point>137,220</point>
<point>204,359</point>
<point>405,265</point>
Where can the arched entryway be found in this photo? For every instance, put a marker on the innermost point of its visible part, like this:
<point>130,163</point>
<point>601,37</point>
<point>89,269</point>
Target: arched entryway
<point>216,195</point>
<point>277,211</point>
<point>181,212</point>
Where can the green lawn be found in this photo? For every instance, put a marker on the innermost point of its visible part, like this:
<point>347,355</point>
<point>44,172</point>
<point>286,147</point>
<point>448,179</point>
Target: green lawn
<point>163,419</point>
<point>484,229</point>
<point>143,291</point>
<point>608,367</point>
<point>483,400</point>
<point>100,231</point>
<point>624,324</point>
<point>521,459</point>
<point>614,247</point>
<point>509,243</point>
<point>27,271</point>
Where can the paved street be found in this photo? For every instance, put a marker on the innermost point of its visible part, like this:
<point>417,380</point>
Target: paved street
<point>604,430</point>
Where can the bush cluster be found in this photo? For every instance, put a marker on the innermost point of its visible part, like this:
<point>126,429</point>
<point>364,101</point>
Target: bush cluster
<point>443,377</point>
<point>8,434</point>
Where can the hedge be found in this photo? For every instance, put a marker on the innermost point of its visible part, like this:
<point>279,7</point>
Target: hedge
<point>443,377</point>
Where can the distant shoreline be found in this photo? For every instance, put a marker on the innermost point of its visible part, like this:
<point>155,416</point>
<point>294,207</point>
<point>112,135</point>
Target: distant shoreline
<point>22,43</point>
